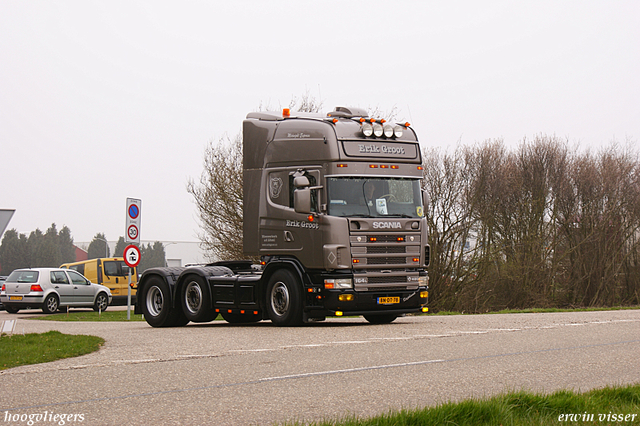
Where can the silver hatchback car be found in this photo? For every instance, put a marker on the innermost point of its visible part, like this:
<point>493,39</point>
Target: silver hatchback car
<point>52,289</point>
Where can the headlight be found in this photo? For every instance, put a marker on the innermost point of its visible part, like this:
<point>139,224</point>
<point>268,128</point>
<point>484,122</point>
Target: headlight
<point>377,130</point>
<point>338,283</point>
<point>388,131</point>
<point>423,281</point>
<point>398,131</point>
<point>367,129</point>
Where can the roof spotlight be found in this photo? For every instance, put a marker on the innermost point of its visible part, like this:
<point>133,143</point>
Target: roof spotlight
<point>398,131</point>
<point>367,129</point>
<point>388,131</point>
<point>377,130</point>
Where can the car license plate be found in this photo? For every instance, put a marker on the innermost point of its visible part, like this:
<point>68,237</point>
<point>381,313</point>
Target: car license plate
<point>388,300</point>
<point>15,297</point>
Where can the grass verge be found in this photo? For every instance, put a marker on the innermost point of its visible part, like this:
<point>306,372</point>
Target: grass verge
<point>611,405</point>
<point>540,310</point>
<point>90,316</point>
<point>34,348</point>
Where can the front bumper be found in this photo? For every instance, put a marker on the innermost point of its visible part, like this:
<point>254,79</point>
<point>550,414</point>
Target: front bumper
<point>372,302</point>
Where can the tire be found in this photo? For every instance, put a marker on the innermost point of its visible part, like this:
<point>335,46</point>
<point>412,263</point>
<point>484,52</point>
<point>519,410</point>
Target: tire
<point>156,305</point>
<point>101,303</point>
<point>11,309</point>
<point>380,318</point>
<point>51,304</point>
<point>63,309</point>
<point>240,318</point>
<point>195,299</point>
<point>284,299</point>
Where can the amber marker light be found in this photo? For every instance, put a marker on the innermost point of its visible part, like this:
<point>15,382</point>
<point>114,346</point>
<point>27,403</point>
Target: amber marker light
<point>416,259</point>
<point>335,120</point>
<point>395,167</point>
<point>362,120</point>
<point>384,166</point>
<point>420,168</point>
<point>338,313</point>
<point>356,260</point>
<point>425,309</point>
<point>373,166</point>
<point>310,218</point>
<point>407,124</point>
<point>342,165</point>
<point>286,112</point>
<point>400,239</point>
<point>372,239</point>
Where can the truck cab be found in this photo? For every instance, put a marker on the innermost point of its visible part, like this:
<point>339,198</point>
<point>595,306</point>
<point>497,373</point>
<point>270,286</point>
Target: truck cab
<point>333,208</point>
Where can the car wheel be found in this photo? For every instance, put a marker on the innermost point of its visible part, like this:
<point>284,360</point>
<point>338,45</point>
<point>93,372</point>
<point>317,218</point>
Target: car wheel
<point>156,305</point>
<point>11,309</point>
<point>240,318</point>
<point>196,300</point>
<point>51,304</point>
<point>380,318</point>
<point>101,303</point>
<point>284,299</point>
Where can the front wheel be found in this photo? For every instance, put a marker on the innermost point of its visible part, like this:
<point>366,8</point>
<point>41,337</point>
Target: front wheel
<point>101,303</point>
<point>284,299</point>
<point>156,305</point>
<point>51,304</point>
<point>380,318</point>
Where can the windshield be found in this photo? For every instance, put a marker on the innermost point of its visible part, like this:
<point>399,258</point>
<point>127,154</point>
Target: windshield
<point>374,197</point>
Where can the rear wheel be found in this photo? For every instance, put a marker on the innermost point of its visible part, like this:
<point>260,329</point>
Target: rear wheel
<point>156,305</point>
<point>196,300</point>
<point>51,304</point>
<point>380,318</point>
<point>240,318</point>
<point>284,298</point>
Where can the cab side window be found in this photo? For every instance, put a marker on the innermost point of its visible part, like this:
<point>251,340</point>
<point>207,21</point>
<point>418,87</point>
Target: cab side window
<point>59,277</point>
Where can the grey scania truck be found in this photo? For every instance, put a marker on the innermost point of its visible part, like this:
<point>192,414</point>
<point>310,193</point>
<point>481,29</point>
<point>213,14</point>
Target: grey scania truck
<point>333,208</point>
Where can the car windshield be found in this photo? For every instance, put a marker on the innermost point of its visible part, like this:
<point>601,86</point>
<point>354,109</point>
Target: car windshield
<point>23,277</point>
<point>374,197</point>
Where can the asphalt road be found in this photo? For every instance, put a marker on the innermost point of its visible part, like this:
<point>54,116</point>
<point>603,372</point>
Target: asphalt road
<point>221,374</point>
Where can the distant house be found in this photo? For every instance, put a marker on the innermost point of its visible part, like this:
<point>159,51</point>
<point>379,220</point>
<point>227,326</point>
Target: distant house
<point>81,254</point>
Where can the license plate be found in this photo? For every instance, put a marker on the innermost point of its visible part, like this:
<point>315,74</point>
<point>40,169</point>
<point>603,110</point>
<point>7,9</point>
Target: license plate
<point>15,297</point>
<point>388,300</point>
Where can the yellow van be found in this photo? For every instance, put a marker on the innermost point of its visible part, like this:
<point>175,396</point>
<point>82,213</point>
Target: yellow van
<point>111,272</point>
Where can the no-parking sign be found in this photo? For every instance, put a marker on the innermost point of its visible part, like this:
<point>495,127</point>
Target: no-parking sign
<point>132,231</point>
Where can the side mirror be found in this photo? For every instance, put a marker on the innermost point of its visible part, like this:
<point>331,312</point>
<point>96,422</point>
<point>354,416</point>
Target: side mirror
<point>425,199</point>
<point>300,181</point>
<point>302,200</point>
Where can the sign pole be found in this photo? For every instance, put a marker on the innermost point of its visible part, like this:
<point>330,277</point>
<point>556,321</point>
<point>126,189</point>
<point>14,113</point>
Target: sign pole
<point>129,297</point>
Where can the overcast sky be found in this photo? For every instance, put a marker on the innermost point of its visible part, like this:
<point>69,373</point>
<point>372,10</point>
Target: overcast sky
<point>100,101</point>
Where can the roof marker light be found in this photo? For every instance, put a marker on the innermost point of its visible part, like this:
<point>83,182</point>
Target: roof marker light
<point>286,112</point>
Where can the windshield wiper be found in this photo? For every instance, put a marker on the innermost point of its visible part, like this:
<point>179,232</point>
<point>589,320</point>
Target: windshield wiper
<point>358,215</point>
<point>403,215</point>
